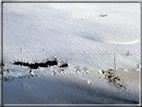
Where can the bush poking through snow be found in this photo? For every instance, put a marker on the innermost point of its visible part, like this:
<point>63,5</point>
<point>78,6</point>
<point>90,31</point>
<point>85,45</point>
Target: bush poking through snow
<point>112,78</point>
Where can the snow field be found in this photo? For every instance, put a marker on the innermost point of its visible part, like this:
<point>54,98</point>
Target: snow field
<point>93,37</point>
<point>74,34</point>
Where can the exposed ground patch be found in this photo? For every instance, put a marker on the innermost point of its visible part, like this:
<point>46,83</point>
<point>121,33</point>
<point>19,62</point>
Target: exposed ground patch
<point>36,65</point>
<point>31,66</point>
<point>64,65</point>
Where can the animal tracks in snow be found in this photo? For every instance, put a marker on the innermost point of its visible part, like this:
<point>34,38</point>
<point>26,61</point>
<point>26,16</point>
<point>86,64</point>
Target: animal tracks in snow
<point>12,78</point>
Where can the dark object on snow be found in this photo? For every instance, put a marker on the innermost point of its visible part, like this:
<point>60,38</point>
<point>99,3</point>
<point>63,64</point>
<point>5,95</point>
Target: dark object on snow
<point>2,64</point>
<point>103,15</point>
<point>127,54</point>
<point>64,65</point>
<point>36,65</point>
<point>54,73</point>
<point>52,63</point>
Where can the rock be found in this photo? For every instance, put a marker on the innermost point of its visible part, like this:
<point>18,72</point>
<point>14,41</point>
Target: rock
<point>101,71</point>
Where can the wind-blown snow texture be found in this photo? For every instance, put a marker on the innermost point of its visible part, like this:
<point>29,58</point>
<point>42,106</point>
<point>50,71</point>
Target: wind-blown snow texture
<point>70,30</point>
<point>73,33</point>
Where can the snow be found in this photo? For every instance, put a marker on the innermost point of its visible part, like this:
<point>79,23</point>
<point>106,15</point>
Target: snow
<point>71,33</point>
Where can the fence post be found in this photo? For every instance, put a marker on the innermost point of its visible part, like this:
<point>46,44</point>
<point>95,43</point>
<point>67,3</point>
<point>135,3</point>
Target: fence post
<point>114,62</point>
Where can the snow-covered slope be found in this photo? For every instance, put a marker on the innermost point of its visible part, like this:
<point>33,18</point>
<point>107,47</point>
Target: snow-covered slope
<point>73,33</point>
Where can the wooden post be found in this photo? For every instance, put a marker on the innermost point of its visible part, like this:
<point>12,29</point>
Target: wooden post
<point>114,62</point>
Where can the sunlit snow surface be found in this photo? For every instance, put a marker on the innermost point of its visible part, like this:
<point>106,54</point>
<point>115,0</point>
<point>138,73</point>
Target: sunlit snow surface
<point>73,33</point>
<point>67,31</point>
